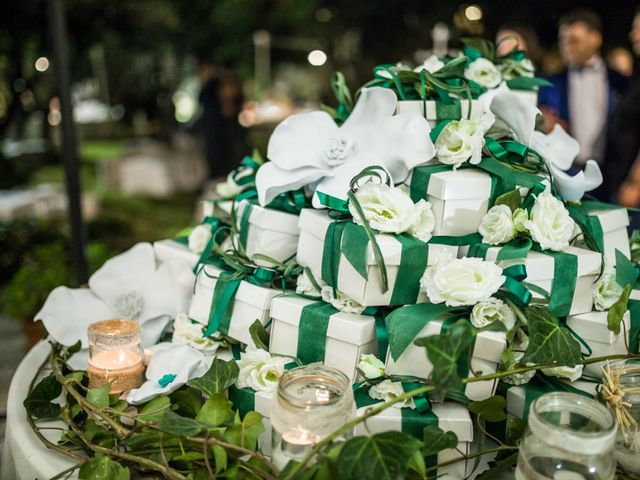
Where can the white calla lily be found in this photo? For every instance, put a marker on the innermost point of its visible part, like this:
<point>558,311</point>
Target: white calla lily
<point>310,148</point>
<point>129,285</point>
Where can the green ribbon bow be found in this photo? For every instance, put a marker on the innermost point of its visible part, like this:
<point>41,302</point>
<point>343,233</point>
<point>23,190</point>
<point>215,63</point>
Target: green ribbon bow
<point>512,288</point>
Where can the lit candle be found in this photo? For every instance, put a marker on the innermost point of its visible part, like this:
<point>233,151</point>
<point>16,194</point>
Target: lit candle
<point>294,446</point>
<point>114,355</point>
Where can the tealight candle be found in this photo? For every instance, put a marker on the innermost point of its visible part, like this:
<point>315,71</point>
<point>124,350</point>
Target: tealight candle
<point>311,402</point>
<point>114,355</point>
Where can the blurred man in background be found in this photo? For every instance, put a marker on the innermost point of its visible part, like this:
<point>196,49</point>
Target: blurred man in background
<point>585,94</point>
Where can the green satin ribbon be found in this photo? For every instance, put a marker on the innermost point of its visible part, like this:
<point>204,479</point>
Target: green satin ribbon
<point>413,262</point>
<point>312,332</point>
<point>634,333</point>
<point>540,385</point>
<point>182,240</point>
<point>215,225</point>
<point>627,274</point>
<point>243,399</point>
<point>508,177</point>
<point>530,199</point>
<point>166,380</point>
<point>420,176</point>
<point>463,240</point>
<point>236,351</point>
<point>243,226</point>
<point>331,253</point>
<point>333,203</point>
<point>382,337</point>
<point>590,226</point>
<point>354,247</point>
<point>513,289</point>
<point>563,287</point>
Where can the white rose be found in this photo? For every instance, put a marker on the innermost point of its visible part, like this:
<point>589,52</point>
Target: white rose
<point>517,378</point>
<point>198,238</point>
<point>550,224</point>
<point>371,366</point>
<point>462,281</point>
<point>304,285</point>
<point>520,217</point>
<point>388,390</point>
<point>462,140</point>
<point>572,373</point>
<point>188,333</point>
<point>259,370</point>
<point>230,188</point>
<point>431,65</point>
<point>492,310</point>
<point>606,291</point>
<point>341,301</point>
<point>386,208</point>
<point>497,225</point>
<point>484,73</point>
<point>513,69</point>
<point>422,229</point>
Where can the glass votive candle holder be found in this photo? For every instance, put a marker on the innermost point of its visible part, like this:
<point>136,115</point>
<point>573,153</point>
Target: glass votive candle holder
<point>114,355</point>
<point>311,402</point>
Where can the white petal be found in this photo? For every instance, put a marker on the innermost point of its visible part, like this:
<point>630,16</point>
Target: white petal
<point>487,97</point>
<point>271,180</point>
<point>518,114</point>
<point>68,312</point>
<point>558,147</point>
<point>573,188</point>
<point>152,329</point>
<point>300,140</point>
<point>338,186</point>
<point>168,292</point>
<point>125,273</point>
<point>373,105</point>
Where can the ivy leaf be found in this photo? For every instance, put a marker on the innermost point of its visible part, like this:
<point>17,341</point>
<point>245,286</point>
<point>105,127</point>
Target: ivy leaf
<point>103,468</point>
<point>220,457</point>
<point>220,376</point>
<point>73,349</point>
<point>617,311</point>
<point>188,401</point>
<point>99,396</point>
<point>549,342</point>
<point>174,424</point>
<point>245,434</point>
<point>216,411</point>
<point>154,410</point>
<point>511,199</point>
<point>39,402</point>
<point>497,467</point>
<point>384,456</point>
<point>436,439</point>
<point>492,409</point>
<point>444,351</point>
<point>259,335</point>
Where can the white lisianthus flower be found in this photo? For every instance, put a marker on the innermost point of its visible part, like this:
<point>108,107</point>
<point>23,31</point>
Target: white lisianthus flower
<point>230,188</point>
<point>422,229</point>
<point>550,224</point>
<point>484,73</point>
<point>304,285</point>
<point>198,238</point>
<point>514,69</point>
<point>341,301</point>
<point>497,225</point>
<point>462,140</point>
<point>492,310</point>
<point>571,373</point>
<point>520,217</point>
<point>386,208</point>
<point>371,366</point>
<point>188,333</point>
<point>388,390</point>
<point>431,65</point>
<point>462,281</point>
<point>398,67</point>
<point>606,291</point>
<point>259,370</point>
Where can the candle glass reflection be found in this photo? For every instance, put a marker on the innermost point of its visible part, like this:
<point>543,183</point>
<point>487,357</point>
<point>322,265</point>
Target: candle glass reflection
<point>311,402</point>
<point>114,355</point>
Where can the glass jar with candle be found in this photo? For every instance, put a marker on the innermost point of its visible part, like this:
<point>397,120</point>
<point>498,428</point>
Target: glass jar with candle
<point>114,355</point>
<point>311,402</point>
<point>569,437</point>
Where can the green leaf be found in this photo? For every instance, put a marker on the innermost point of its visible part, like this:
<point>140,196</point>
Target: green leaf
<point>187,400</point>
<point>498,467</point>
<point>176,425</point>
<point>259,335</point>
<point>549,342</point>
<point>245,434</point>
<point>220,376</point>
<point>154,410</point>
<point>444,351</point>
<point>220,458</point>
<point>492,409</point>
<point>511,199</point>
<point>39,402</point>
<point>216,411</point>
<point>70,351</point>
<point>617,311</point>
<point>99,396</point>
<point>384,456</point>
<point>435,439</point>
<point>103,468</point>
<point>527,83</point>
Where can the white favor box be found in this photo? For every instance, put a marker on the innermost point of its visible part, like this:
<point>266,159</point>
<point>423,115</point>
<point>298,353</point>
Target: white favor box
<point>417,106</point>
<point>592,327</point>
<point>452,417</point>
<point>459,200</point>
<point>540,272</point>
<point>486,355</point>
<point>251,303</point>
<point>170,251</point>
<point>349,335</point>
<point>313,227</point>
<point>614,227</point>
<point>271,233</point>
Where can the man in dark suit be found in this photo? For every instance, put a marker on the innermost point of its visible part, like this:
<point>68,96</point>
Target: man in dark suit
<point>584,96</point>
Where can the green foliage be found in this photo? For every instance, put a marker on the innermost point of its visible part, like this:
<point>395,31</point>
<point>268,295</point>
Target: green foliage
<point>511,199</point>
<point>220,376</point>
<point>216,411</point>
<point>492,409</point>
<point>39,402</point>
<point>259,335</point>
<point>435,439</point>
<point>549,342</point>
<point>617,311</point>
<point>245,433</point>
<point>103,468</point>
<point>99,396</point>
